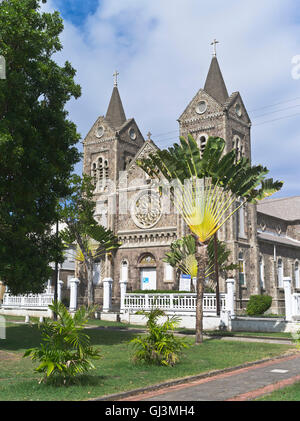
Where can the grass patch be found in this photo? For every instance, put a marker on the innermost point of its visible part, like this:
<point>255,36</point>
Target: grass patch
<point>115,372</point>
<point>289,393</point>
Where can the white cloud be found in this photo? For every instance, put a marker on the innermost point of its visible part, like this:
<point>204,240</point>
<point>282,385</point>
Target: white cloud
<point>162,51</point>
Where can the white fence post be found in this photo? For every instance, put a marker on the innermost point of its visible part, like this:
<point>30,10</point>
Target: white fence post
<point>230,297</point>
<point>59,287</point>
<point>73,293</point>
<point>123,287</point>
<point>107,294</point>
<point>288,298</point>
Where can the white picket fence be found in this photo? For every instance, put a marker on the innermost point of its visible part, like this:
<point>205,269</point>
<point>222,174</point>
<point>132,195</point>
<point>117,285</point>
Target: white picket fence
<point>30,301</point>
<point>185,302</point>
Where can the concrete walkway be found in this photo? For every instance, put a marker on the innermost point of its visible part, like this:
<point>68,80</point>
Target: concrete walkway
<point>242,384</point>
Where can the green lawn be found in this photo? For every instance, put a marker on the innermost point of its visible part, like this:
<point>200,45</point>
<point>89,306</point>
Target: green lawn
<point>289,393</point>
<point>115,372</point>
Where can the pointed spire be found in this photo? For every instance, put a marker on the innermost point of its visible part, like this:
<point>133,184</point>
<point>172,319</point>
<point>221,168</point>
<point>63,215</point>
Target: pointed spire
<point>215,85</point>
<point>115,113</point>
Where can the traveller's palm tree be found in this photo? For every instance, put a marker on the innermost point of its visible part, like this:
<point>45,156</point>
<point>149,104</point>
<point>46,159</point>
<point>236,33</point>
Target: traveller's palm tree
<point>205,188</point>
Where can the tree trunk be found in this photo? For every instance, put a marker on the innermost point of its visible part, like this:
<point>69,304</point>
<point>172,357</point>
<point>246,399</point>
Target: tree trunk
<point>90,297</point>
<point>217,273</point>
<point>202,259</point>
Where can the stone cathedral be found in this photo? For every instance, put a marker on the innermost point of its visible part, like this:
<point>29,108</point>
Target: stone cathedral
<point>264,239</point>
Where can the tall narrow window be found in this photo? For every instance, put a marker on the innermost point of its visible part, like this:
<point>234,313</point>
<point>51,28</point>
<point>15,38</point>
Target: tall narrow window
<point>124,271</point>
<point>94,173</point>
<point>106,169</point>
<point>202,139</point>
<point>261,272</point>
<point>236,144</point>
<point>280,273</point>
<point>100,169</point>
<point>241,269</point>
<point>297,275</point>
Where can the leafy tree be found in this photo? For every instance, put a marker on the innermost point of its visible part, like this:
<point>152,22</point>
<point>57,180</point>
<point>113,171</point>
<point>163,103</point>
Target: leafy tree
<point>93,240</point>
<point>65,350</point>
<point>205,190</point>
<point>37,142</point>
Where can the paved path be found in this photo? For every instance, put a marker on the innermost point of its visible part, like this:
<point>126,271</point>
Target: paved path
<point>243,384</point>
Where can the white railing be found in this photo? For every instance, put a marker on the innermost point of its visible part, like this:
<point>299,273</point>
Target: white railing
<point>36,301</point>
<point>172,302</point>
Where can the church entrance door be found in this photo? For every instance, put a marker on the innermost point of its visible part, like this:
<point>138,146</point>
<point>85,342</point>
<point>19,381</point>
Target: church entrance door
<point>148,278</point>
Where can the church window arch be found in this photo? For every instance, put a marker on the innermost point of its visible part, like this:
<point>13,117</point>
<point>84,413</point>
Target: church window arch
<point>238,147</point>
<point>201,141</point>
<point>94,173</point>
<point>147,259</point>
<point>106,169</point>
<point>280,273</point>
<point>124,270</point>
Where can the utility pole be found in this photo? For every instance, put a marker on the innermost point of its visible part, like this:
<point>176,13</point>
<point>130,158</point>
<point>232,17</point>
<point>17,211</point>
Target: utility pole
<point>56,272</point>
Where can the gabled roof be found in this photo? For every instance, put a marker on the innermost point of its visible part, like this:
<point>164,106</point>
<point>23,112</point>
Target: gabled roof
<point>284,208</point>
<point>215,85</point>
<point>115,115</point>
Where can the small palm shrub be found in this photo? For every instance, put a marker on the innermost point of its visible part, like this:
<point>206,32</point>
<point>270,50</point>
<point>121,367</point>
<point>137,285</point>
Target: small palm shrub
<point>65,349</point>
<point>159,346</point>
<point>258,304</point>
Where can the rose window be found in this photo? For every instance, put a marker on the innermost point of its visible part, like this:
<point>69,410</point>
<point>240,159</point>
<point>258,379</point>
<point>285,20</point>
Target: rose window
<point>146,209</point>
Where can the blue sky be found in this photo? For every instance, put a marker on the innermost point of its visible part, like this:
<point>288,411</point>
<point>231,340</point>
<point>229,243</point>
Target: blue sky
<point>162,52</point>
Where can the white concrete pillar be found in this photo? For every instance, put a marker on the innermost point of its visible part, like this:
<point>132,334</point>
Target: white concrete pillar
<point>73,293</point>
<point>230,297</point>
<point>287,285</point>
<point>107,294</point>
<point>123,287</point>
<point>59,288</point>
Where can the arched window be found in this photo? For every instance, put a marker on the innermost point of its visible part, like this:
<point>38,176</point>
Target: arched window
<point>202,139</point>
<point>237,145</point>
<point>94,173</point>
<point>124,270</point>
<point>242,277</point>
<point>280,273</point>
<point>261,272</point>
<point>100,171</point>
<point>297,275</point>
<point>106,169</point>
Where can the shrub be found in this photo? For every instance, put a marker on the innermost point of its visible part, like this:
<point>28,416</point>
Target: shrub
<point>258,304</point>
<point>65,349</point>
<point>159,346</point>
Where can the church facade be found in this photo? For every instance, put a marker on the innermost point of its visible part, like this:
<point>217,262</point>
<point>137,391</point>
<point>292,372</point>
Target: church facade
<point>265,243</point>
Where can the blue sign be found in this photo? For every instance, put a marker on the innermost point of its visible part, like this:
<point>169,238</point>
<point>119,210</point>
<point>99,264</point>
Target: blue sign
<point>184,276</point>
<point>145,280</point>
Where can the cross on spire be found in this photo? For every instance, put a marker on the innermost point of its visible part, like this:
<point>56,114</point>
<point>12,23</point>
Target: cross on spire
<point>214,43</point>
<point>149,135</point>
<point>115,75</point>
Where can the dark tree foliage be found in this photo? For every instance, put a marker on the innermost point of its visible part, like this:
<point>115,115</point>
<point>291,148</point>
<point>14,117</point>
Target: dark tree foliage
<point>37,142</point>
